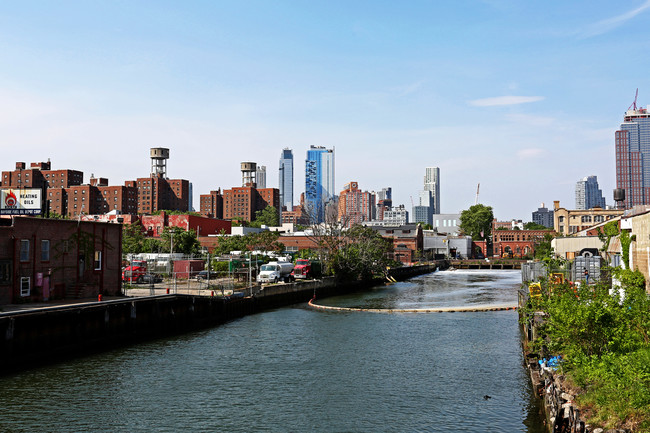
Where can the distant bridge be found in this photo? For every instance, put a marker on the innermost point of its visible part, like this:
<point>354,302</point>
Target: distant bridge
<point>497,264</point>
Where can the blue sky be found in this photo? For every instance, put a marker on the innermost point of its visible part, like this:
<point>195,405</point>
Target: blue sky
<point>521,97</point>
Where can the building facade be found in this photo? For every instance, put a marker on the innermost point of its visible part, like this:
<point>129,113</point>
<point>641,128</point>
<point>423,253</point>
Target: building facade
<point>285,179</point>
<point>543,216</point>
<point>633,157</point>
<point>319,181</point>
<point>355,206</point>
<point>45,259</point>
<point>260,176</point>
<point>588,194</point>
<point>423,212</point>
<point>432,183</point>
<point>65,193</point>
<point>568,222</point>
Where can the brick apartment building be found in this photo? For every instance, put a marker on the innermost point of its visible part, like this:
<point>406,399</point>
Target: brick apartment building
<point>157,193</point>
<point>66,194</point>
<point>43,259</point>
<point>355,206</point>
<point>239,203</point>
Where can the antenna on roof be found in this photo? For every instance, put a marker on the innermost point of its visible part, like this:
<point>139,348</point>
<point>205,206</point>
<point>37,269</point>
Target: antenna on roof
<point>633,106</point>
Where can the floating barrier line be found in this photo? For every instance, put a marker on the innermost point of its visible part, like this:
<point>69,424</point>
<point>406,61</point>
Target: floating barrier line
<point>417,310</point>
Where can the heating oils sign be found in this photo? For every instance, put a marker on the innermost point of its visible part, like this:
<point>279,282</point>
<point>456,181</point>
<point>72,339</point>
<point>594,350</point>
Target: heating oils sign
<point>15,201</point>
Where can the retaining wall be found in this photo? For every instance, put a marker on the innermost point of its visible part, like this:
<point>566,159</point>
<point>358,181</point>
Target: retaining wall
<point>35,337</point>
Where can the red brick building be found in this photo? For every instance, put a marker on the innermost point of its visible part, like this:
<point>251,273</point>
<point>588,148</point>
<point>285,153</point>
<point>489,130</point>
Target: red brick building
<point>157,193</point>
<point>43,259</point>
<point>211,205</point>
<point>355,206</point>
<point>65,193</point>
<point>202,226</point>
<point>239,203</point>
<point>408,241</point>
<point>518,243</point>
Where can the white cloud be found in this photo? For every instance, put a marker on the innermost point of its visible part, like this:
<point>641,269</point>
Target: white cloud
<point>609,24</point>
<point>504,100</point>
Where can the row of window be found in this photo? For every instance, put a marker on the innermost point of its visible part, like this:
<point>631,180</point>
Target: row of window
<point>45,252</point>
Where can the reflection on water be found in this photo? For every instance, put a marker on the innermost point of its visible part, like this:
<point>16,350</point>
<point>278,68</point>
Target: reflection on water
<point>297,369</point>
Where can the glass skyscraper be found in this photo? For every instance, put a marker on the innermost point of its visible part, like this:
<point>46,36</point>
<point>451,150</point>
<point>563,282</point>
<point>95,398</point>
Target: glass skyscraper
<point>286,179</point>
<point>588,195</point>
<point>432,183</point>
<point>633,156</point>
<point>319,181</point>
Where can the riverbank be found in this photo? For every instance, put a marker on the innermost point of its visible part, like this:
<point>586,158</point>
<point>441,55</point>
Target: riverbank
<point>587,353</point>
<point>42,335</point>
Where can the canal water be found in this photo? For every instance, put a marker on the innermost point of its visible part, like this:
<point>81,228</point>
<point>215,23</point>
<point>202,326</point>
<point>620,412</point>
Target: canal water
<point>302,370</point>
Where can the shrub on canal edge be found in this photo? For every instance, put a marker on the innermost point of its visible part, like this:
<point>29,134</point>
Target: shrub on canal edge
<point>604,339</point>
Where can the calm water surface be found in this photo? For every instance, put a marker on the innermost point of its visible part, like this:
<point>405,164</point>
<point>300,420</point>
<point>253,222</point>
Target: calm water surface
<point>300,370</point>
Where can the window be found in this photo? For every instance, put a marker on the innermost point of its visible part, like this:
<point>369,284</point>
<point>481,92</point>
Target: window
<point>98,260</point>
<point>24,286</point>
<point>45,250</point>
<point>5,271</point>
<point>24,250</point>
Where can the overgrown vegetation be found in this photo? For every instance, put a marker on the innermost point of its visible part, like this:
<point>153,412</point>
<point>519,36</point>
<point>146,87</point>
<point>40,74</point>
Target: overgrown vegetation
<point>604,339</point>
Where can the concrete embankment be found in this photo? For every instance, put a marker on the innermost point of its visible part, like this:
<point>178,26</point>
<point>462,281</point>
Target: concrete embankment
<point>35,337</point>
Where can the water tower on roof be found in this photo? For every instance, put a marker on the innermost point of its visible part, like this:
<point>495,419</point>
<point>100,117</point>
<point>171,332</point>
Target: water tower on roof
<point>159,157</point>
<point>248,173</point>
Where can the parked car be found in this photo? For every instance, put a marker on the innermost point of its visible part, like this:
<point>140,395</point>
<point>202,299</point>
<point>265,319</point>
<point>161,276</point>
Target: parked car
<point>150,279</point>
<point>203,275</point>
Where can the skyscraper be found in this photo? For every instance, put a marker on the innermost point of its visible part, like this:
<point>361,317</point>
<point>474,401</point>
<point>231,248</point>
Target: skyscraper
<point>423,212</point>
<point>432,183</point>
<point>633,156</point>
<point>319,181</point>
<point>260,176</point>
<point>588,195</point>
<point>286,179</point>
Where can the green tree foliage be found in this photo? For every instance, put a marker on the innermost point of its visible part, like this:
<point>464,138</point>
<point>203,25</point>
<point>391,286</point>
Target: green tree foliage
<point>268,216</point>
<point>609,231</point>
<point>477,221</point>
<point>604,339</point>
<point>183,241</point>
<point>263,241</point>
<point>543,248</point>
<point>132,238</point>
<point>534,226</point>
<point>361,254</point>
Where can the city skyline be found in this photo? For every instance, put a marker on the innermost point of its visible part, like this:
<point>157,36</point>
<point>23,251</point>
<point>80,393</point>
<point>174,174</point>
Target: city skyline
<point>500,93</point>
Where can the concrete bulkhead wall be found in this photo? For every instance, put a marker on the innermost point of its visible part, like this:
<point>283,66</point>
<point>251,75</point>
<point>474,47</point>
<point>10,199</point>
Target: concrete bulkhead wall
<point>35,337</point>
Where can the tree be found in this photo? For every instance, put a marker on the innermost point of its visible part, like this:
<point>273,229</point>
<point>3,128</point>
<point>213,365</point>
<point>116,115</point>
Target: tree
<point>268,216</point>
<point>132,238</point>
<point>263,241</point>
<point>534,226</point>
<point>183,241</point>
<point>477,221</point>
<point>362,254</point>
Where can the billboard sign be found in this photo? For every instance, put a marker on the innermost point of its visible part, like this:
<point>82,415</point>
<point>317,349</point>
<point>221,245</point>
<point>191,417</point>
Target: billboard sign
<point>24,201</point>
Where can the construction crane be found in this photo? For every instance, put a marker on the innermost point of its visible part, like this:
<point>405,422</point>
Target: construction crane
<point>633,106</point>
<point>477,188</point>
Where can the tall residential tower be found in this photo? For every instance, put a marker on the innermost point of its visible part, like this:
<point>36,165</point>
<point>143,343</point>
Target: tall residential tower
<point>633,156</point>
<point>588,195</point>
<point>319,181</point>
<point>285,179</point>
<point>432,183</point>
